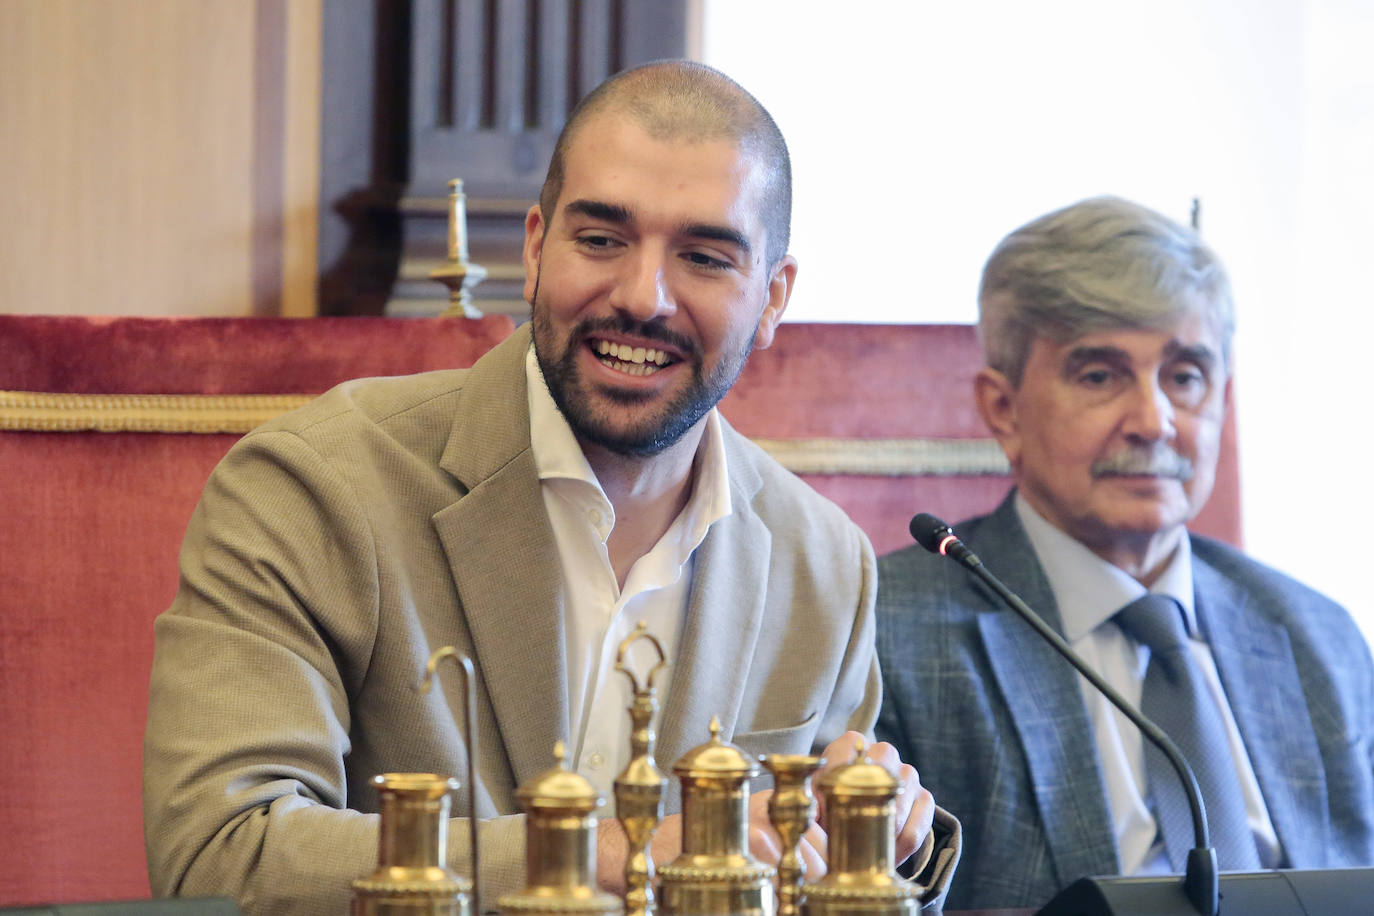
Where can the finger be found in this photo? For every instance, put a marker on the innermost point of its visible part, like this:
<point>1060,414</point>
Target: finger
<point>918,823</point>
<point>843,751</point>
<point>885,756</point>
<point>910,790</point>
<point>667,841</point>
<point>818,840</point>
<point>765,845</point>
<point>915,806</point>
<point>764,842</point>
<point>813,859</point>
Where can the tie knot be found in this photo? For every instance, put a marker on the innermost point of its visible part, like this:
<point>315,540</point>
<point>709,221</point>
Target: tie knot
<point>1155,621</point>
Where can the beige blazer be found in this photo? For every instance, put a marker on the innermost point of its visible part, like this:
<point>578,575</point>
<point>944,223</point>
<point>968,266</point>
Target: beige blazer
<point>336,547</point>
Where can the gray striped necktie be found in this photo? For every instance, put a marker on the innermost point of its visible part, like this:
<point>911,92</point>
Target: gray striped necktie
<point>1176,698</point>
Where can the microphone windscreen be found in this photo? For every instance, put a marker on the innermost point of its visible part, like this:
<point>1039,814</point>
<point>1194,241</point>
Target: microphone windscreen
<point>929,531</point>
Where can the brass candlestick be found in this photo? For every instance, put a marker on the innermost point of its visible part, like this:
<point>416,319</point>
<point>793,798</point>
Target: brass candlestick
<point>411,877</point>
<point>560,846</point>
<point>715,873</point>
<point>791,808</point>
<point>458,273</point>
<point>639,788</point>
<point>860,812</point>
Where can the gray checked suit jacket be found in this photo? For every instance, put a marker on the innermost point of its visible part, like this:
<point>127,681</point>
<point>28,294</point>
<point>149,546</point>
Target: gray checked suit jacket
<point>994,719</point>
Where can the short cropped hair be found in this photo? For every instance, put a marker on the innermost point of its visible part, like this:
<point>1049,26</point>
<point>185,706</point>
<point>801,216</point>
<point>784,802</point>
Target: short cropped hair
<point>679,99</point>
<point>1102,263</point>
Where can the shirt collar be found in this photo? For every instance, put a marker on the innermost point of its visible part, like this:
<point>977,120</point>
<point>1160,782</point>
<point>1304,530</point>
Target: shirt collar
<point>1087,589</point>
<point>555,448</point>
<point>557,455</point>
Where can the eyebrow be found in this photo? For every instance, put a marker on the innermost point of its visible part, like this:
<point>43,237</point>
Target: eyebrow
<point>621,216</point>
<point>1079,357</point>
<point>1201,354</point>
<point>714,233</point>
<point>596,209</point>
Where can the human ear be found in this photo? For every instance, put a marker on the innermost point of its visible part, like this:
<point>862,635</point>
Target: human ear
<point>534,247</point>
<point>779,292</point>
<point>995,396</point>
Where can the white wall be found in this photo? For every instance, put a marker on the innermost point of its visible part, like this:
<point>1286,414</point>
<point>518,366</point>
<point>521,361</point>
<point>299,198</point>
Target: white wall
<point>922,132</point>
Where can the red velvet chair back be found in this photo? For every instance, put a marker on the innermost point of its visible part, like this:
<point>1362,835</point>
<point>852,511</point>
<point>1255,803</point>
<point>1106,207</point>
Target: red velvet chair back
<point>90,525</point>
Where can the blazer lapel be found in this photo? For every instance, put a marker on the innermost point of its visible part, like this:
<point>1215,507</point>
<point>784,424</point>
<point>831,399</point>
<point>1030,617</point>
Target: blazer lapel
<point>502,556</point>
<point>1255,662</point>
<point>724,616</point>
<point>1042,692</point>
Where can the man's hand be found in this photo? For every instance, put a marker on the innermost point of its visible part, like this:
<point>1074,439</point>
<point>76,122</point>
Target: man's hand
<point>915,805</point>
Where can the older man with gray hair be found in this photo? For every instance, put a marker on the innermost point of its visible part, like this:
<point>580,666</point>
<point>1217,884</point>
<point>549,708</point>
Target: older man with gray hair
<point>1107,331</point>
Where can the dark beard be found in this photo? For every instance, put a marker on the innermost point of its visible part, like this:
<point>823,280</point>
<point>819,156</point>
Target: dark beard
<point>656,431</point>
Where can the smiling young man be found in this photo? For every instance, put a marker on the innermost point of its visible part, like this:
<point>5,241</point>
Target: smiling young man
<point>530,511</point>
<point>1107,333</point>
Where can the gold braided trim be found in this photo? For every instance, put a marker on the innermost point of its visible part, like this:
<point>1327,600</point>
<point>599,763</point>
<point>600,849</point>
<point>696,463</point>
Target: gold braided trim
<point>29,411</point>
<point>889,457</point>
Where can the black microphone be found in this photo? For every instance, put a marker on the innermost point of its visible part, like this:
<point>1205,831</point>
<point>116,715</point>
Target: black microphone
<point>1200,882</point>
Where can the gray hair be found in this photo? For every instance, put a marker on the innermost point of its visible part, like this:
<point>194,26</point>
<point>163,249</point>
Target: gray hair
<point>674,99</point>
<point>1099,264</point>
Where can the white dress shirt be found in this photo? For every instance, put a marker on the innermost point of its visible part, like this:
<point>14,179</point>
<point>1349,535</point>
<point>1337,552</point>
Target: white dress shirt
<point>1089,591</point>
<point>598,614</point>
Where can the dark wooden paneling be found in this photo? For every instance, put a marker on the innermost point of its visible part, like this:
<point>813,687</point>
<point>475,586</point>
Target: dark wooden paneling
<point>487,85</point>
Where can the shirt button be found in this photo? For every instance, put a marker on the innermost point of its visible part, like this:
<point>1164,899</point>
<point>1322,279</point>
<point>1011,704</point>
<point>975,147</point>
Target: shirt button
<point>595,516</point>
<point>595,760</point>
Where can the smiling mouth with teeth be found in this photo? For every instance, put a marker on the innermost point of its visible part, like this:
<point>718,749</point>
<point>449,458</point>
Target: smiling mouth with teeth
<point>630,360</point>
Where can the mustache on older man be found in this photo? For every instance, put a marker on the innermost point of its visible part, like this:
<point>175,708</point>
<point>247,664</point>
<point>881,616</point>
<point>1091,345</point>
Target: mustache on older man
<point>1158,460</point>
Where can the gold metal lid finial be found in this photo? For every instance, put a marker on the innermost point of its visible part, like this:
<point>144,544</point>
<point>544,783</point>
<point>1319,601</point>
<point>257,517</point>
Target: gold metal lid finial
<point>559,787</point>
<point>716,759</point>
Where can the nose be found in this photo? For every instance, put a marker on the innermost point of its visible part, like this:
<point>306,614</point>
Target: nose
<point>641,291</point>
<point>1151,418</point>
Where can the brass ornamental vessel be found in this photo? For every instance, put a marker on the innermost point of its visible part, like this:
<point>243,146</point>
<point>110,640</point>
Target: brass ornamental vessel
<point>411,876</point>
<point>860,814</point>
<point>715,874</point>
<point>560,845</point>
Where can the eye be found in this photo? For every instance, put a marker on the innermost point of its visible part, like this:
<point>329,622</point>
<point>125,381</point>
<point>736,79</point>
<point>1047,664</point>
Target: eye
<point>1186,384</point>
<point>597,242</point>
<point>705,261</point>
<point>1096,378</point>
<point>1185,378</point>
